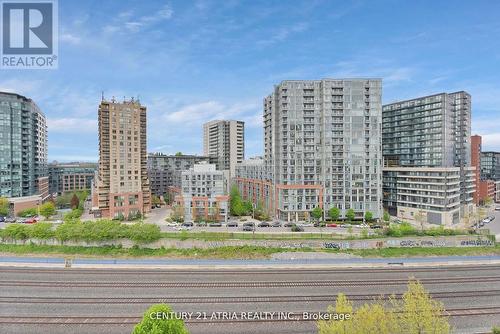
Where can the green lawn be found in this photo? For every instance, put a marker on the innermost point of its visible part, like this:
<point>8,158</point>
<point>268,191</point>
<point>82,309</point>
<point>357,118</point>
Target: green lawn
<point>228,252</point>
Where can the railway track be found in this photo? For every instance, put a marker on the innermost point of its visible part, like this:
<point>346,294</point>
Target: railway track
<point>207,318</point>
<point>244,284</point>
<point>229,300</point>
<point>284,271</point>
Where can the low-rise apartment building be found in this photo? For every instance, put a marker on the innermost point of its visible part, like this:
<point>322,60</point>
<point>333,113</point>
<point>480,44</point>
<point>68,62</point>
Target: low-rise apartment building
<point>426,194</point>
<point>163,167</point>
<point>70,176</point>
<point>202,194</point>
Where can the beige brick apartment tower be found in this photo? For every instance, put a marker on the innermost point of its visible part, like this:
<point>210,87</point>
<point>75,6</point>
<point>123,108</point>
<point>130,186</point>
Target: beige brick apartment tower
<point>121,188</point>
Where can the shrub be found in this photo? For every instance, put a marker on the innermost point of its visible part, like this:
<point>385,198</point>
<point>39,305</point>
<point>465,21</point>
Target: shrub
<point>403,229</point>
<point>102,230</point>
<point>73,214</point>
<point>17,232</point>
<point>150,325</point>
<point>144,233</point>
<point>42,231</point>
<point>70,230</point>
<point>119,217</point>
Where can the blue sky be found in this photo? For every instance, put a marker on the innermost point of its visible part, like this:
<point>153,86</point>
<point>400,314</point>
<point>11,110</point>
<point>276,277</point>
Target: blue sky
<point>194,61</point>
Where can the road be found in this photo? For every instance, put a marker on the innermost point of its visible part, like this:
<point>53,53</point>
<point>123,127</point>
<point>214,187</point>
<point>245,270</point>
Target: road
<point>51,300</point>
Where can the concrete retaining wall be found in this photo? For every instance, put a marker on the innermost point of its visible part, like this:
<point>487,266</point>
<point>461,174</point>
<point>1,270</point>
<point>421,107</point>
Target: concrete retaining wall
<point>408,242</point>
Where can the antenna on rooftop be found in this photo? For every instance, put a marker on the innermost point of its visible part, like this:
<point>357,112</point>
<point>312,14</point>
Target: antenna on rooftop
<point>102,96</point>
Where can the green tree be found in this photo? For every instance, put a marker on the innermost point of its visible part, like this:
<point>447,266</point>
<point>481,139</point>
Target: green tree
<point>342,306</point>
<point>350,214</point>
<point>47,209</point>
<point>387,216</point>
<point>416,313</point>
<point>42,231</point>
<point>488,201</point>
<point>75,202</point>
<point>236,205</point>
<point>177,214</point>
<point>155,321</point>
<point>178,154</point>
<point>334,213</point>
<point>368,216</point>
<point>70,230</point>
<point>155,200</point>
<point>73,214</point>
<point>420,218</point>
<point>167,198</point>
<point>420,313</point>
<point>30,212</point>
<point>17,232</point>
<point>4,206</point>
<point>317,213</point>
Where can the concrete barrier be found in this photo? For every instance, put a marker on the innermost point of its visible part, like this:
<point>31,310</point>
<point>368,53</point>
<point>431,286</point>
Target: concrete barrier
<point>405,242</point>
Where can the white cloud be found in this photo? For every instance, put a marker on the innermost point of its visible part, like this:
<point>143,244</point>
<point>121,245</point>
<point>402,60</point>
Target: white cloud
<point>69,38</point>
<point>19,86</point>
<point>123,22</point>
<point>72,125</point>
<point>196,114</point>
<point>283,33</point>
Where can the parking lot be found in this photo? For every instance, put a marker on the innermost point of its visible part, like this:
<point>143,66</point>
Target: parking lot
<point>493,226</point>
<point>307,228</point>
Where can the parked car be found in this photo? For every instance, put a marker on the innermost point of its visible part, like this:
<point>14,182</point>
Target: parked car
<point>376,226</point>
<point>297,228</point>
<point>187,224</point>
<point>10,220</point>
<point>497,208</point>
<point>184,228</point>
<point>264,224</point>
<point>232,224</point>
<point>249,227</point>
<point>331,225</point>
<point>31,221</point>
<point>288,224</point>
<point>491,218</point>
<point>276,224</point>
<point>172,224</point>
<point>2,219</point>
<point>217,224</point>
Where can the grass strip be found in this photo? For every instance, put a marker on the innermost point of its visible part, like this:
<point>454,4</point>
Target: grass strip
<point>227,252</point>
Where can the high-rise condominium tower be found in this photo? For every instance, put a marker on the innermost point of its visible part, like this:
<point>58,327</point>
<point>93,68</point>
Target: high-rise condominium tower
<point>322,148</point>
<point>122,185</point>
<point>224,142</point>
<point>23,147</point>
<point>431,133</point>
